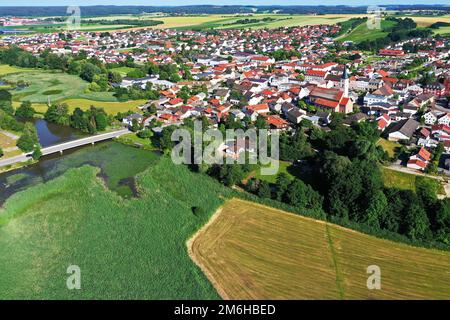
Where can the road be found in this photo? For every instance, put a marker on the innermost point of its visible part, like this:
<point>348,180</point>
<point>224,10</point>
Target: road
<point>66,146</point>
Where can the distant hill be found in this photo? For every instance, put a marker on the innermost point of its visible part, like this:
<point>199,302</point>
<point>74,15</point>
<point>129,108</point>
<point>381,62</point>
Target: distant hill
<point>202,9</point>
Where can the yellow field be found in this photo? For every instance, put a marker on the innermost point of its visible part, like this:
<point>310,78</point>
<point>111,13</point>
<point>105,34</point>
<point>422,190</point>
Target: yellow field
<point>6,69</point>
<point>250,251</point>
<point>84,104</point>
<point>427,21</point>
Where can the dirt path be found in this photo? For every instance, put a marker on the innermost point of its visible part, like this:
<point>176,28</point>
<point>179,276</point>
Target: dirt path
<point>10,135</point>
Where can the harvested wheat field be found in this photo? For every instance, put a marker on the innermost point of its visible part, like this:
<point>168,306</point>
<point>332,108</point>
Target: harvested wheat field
<point>250,251</point>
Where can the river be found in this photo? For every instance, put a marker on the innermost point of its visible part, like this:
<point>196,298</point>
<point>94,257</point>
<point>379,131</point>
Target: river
<point>50,133</point>
<point>118,164</point>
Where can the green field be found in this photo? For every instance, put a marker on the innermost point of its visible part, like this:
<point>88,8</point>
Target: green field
<point>126,249</point>
<point>389,146</point>
<point>45,86</point>
<point>5,70</point>
<point>405,181</point>
<point>250,251</point>
<point>283,167</point>
<point>445,31</point>
<point>362,32</point>
<point>123,70</point>
<point>53,86</point>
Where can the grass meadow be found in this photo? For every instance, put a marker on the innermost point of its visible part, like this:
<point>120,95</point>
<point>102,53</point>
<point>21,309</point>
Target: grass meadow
<point>56,86</point>
<point>362,32</point>
<point>403,180</point>
<point>250,251</point>
<point>125,248</point>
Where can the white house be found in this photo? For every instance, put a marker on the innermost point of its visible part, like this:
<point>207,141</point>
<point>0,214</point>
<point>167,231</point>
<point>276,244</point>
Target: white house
<point>445,119</point>
<point>374,98</point>
<point>430,118</point>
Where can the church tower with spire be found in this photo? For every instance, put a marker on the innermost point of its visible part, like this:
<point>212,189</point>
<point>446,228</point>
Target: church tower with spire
<point>345,82</point>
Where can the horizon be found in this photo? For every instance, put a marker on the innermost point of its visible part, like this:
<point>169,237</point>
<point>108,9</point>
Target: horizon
<point>255,3</point>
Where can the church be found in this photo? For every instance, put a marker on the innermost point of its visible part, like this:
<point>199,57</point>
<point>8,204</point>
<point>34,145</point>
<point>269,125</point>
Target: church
<point>333,99</point>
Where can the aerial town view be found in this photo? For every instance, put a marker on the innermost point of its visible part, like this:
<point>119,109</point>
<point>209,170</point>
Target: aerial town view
<point>224,151</point>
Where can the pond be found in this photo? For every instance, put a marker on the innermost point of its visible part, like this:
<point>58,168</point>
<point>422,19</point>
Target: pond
<point>118,163</point>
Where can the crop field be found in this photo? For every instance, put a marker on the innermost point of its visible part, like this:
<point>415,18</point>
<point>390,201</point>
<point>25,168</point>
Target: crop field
<point>427,21</point>
<point>125,248</point>
<point>228,21</point>
<point>250,251</point>
<point>278,20</point>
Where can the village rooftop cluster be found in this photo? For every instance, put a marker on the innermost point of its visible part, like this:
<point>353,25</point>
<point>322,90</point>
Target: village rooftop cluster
<point>244,79</point>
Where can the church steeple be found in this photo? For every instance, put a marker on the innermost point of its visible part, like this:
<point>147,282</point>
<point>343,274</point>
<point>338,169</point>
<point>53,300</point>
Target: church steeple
<point>345,82</point>
<point>345,73</point>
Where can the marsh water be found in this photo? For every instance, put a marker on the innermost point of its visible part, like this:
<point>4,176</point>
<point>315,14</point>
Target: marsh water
<point>118,164</point>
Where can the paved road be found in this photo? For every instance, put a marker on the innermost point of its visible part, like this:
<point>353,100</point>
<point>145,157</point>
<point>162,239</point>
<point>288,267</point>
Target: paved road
<point>66,146</point>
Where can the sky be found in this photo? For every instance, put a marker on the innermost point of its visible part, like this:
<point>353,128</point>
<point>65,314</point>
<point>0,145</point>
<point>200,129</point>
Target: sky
<point>221,2</point>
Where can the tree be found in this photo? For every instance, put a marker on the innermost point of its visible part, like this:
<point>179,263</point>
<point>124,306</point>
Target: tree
<point>29,139</point>
<point>58,113</point>
<point>376,209</point>
<point>5,96</point>
<point>37,153</point>
<point>135,127</point>
<point>282,185</point>
<point>25,110</point>
<point>416,221</point>
<point>7,107</point>
<point>261,123</point>
<point>114,77</point>
<point>88,71</point>
<point>145,134</point>
<point>101,119</point>
<point>303,196</point>
<point>264,190</point>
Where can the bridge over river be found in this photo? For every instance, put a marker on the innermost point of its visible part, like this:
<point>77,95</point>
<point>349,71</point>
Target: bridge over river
<point>65,146</point>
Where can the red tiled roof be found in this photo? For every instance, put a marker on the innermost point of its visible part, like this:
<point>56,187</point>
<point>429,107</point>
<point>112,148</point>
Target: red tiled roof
<point>419,163</point>
<point>424,154</point>
<point>327,103</point>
